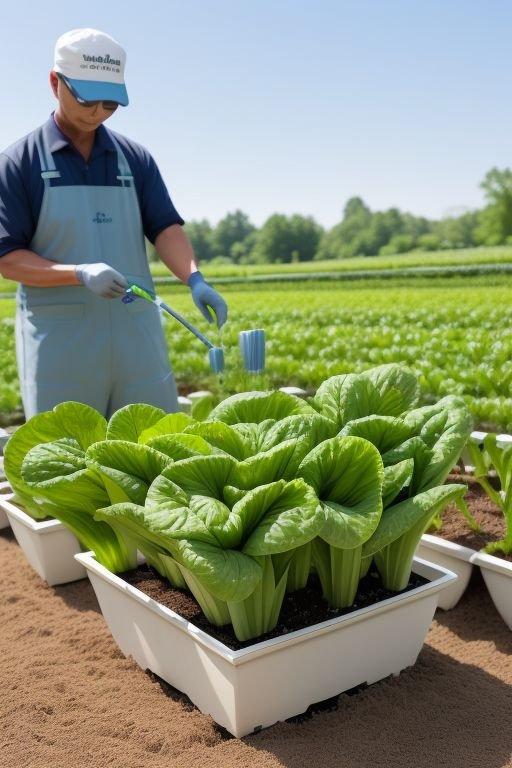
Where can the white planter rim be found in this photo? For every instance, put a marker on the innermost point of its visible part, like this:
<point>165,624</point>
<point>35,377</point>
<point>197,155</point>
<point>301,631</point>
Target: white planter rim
<point>428,570</point>
<point>449,547</point>
<point>40,526</point>
<point>498,564</point>
<point>502,438</point>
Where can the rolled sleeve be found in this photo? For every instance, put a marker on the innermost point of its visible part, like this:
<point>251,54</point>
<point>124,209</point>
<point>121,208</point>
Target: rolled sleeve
<point>157,209</point>
<point>16,218</point>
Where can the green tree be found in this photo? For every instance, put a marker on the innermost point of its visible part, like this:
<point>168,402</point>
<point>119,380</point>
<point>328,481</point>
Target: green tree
<point>201,236</point>
<point>428,242</point>
<point>456,231</point>
<point>495,220</point>
<point>349,236</point>
<point>415,226</point>
<point>363,233</point>
<point>242,252</point>
<point>233,228</point>
<point>398,244</point>
<point>284,239</point>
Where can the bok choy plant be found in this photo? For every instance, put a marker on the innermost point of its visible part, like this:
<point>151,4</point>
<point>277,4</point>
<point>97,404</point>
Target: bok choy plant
<point>55,481</point>
<point>493,457</point>
<point>418,446</point>
<point>233,554</point>
<point>375,463</point>
<point>61,465</point>
<point>243,506</point>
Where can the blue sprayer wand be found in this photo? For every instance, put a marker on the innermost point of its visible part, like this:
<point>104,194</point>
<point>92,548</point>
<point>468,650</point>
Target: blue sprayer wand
<point>215,354</point>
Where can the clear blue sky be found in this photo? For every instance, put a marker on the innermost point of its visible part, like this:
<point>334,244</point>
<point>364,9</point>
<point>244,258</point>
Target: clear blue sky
<point>292,106</point>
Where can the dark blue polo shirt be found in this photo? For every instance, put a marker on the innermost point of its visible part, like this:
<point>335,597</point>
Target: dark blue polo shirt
<point>21,185</point>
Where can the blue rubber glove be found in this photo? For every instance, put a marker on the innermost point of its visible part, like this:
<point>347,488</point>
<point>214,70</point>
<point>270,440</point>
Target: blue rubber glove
<point>206,298</point>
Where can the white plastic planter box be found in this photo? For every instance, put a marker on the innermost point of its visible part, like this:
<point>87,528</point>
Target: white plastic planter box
<point>455,558</point>
<point>199,395</point>
<point>497,575</point>
<point>5,492</point>
<point>249,689</point>
<point>48,546</point>
<point>477,437</point>
<point>185,404</point>
<point>297,391</point>
<point>4,436</point>
<point>4,520</point>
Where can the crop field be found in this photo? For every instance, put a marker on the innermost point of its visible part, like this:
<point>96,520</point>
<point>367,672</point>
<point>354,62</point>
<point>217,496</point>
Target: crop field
<point>456,333</point>
<point>462,257</point>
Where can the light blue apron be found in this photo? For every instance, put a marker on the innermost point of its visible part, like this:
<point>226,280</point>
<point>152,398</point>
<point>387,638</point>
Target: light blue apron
<point>72,344</point>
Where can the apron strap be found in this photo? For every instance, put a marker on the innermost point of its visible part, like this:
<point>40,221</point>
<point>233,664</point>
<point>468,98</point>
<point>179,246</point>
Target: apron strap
<point>125,175</point>
<point>48,168</point>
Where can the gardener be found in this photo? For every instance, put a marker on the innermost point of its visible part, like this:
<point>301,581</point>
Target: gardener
<point>76,201</point>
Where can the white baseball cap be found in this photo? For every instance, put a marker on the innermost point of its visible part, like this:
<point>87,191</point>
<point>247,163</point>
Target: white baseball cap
<point>92,65</point>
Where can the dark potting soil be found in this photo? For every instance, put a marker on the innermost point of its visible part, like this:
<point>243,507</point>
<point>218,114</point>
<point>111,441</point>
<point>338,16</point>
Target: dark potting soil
<point>486,513</point>
<point>300,609</point>
<point>306,607</point>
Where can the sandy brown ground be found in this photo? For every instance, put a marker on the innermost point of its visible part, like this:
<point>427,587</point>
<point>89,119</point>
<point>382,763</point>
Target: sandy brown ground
<point>69,699</point>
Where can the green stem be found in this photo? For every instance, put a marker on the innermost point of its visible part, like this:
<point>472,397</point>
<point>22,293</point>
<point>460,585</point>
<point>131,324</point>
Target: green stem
<point>111,549</point>
<point>163,563</point>
<point>394,562</point>
<point>338,571</point>
<point>215,610</point>
<point>300,568</point>
<point>472,523</point>
<point>365,565</point>
<point>259,613</point>
<point>502,545</point>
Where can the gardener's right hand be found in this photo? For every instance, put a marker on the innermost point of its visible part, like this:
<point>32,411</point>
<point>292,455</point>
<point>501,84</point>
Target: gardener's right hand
<point>102,280</point>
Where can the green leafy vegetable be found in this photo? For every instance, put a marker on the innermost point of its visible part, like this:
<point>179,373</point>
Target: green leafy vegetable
<point>67,420</point>
<point>493,457</point>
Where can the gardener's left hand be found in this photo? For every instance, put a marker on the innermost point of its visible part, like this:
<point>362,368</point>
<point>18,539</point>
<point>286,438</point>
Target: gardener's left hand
<point>207,299</point>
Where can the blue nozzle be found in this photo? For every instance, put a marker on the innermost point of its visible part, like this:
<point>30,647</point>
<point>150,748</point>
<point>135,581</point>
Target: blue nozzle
<point>216,357</point>
<point>216,354</point>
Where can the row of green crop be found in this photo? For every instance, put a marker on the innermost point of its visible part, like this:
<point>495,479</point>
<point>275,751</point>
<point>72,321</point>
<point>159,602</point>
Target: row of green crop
<point>460,257</point>
<point>456,334</point>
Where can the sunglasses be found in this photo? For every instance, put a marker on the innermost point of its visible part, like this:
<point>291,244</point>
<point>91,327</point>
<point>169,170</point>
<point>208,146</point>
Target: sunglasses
<point>108,106</point>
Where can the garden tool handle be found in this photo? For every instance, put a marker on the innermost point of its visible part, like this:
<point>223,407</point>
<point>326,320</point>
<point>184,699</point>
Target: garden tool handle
<point>138,290</point>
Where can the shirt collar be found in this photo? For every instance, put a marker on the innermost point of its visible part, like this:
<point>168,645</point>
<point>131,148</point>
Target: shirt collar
<point>57,140</point>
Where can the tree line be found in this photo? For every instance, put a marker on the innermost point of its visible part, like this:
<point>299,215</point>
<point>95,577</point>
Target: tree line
<point>361,232</point>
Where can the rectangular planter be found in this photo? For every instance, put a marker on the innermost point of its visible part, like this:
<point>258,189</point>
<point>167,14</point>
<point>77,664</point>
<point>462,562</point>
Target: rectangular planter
<point>48,546</point>
<point>503,440</point>
<point>455,558</point>
<point>5,492</point>
<point>497,574</point>
<point>255,687</point>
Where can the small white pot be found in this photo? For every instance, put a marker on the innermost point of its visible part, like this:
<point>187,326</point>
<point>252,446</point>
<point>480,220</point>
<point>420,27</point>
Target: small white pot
<point>452,556</point>
<point>253,688</point>
<point>48,546</point>
<point>497,575</point>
